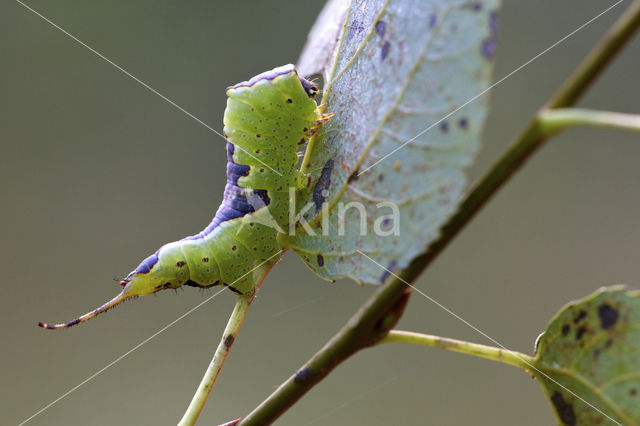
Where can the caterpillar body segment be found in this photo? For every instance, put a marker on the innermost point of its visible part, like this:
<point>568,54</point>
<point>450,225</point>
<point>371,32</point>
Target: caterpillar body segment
<point>266,120</point>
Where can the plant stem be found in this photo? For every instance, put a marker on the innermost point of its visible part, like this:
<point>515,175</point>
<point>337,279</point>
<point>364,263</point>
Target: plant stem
<point>363,329</point>
<point>514,358</point>
<point>230,332</point>
<point>598,58</point>
<point>372,322</point>
<point>553,120</point>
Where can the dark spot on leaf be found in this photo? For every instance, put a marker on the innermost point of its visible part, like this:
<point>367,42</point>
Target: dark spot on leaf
<point>320,260</point>
<point>633,391</point>
<point>181,263</point>
<point>228,341</point>
<point>355,28</point>
<point>385,50</point>
<point>580,332</point>
<point>380,177</point>
<point>490,43</point>
<point>564,409</point>
<point>608,343</point>
<point>433,20</point>
<point>475,6</point>
<point>381,26</point>
<point>608,316</point>
<point>565,329</point>
<point>581,315</point>
<point>302,375</point>
<point>322,186</point>
<point>289,101</point>
<point>494,19</point>
<point>464,123</point>
<point>489,46</point>
<point>444,127</point>
<point>205,259</point>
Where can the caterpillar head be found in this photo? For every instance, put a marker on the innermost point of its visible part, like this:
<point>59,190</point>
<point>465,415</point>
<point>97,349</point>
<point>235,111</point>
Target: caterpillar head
<point>149,277</point>
<point>309,87</point>
<point>153,274</point>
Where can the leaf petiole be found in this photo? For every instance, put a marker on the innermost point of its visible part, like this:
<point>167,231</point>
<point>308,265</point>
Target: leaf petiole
<point>553,120</point>
<point>504,356</point>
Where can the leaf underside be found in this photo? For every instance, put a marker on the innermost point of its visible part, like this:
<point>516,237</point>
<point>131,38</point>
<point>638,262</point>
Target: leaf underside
<point>400,68</point>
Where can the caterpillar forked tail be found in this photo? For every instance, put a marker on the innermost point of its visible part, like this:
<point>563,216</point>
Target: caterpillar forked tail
<point>110,304</point>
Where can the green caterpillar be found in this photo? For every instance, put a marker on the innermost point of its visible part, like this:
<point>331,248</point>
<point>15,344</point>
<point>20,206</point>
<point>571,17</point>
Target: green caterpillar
<point>267,118</point>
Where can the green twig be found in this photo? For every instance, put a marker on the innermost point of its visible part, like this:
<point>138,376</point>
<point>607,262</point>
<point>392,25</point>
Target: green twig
<point>230,332</point>
<point>598,58</point>
<point>553,120</point>
<point>514,358</point>
<point>363,329</point>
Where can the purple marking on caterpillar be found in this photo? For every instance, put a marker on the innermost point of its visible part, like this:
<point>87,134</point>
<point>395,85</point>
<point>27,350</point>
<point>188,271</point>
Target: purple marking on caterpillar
<point>267,75</point>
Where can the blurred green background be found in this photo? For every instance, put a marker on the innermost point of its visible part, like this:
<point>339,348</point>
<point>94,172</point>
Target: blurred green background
<point>97,172</point>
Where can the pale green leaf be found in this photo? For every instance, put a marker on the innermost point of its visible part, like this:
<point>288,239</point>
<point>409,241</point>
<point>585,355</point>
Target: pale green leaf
<point>401,66</point>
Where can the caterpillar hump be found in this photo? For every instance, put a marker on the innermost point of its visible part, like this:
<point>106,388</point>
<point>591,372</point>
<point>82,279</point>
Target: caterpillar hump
<point>266,120</point>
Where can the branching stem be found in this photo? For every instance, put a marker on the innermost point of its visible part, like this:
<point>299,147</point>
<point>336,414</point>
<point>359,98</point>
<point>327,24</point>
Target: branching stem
<point>363,329</point>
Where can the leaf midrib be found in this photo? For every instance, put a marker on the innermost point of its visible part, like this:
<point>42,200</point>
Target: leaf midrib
<point>391,110</point>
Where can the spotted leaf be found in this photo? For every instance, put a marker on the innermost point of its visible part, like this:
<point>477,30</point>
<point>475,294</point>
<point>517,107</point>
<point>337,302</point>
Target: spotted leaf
<point>588,359</point>
<point>405,87</point>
